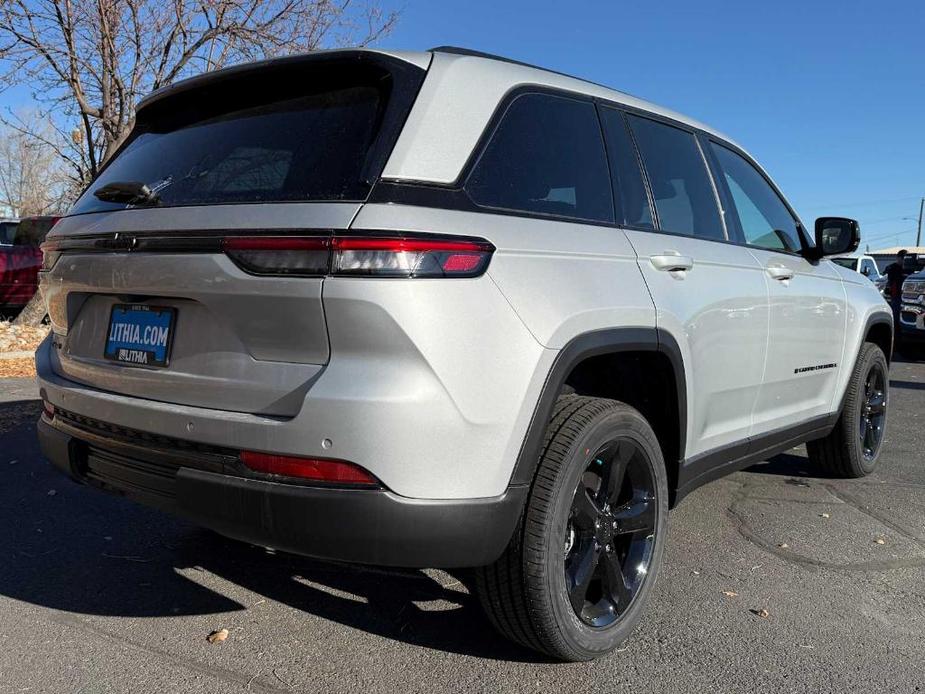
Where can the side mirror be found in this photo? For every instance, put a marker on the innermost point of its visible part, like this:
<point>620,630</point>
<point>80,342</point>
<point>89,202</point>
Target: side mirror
<point>837,236</point>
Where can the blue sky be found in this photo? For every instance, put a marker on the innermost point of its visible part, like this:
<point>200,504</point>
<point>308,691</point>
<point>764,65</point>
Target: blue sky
<point>828,96</point>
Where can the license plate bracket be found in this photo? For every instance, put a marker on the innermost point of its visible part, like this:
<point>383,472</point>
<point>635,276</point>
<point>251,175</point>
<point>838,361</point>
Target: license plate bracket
<point>140,335</point>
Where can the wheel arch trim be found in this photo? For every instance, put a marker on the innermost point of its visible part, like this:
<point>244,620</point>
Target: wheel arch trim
<point>874,319</point>
<point>592,344</point>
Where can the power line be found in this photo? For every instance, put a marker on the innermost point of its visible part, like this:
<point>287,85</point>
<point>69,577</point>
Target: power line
<point>887,236</point>
<point>863,204</point>
<point>868,222</point>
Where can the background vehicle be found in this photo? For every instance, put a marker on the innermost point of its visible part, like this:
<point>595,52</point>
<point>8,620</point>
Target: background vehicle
<point>478,314</point>
<point>912,317</point>
<point>862,264</point>
<point>7,231</point>
<point>21,259</point>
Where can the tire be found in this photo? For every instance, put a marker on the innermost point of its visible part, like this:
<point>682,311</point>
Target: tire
<point>529,592</point>
<point>845,451</point>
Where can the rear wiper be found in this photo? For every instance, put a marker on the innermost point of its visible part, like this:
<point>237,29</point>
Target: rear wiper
<point>129,192</point>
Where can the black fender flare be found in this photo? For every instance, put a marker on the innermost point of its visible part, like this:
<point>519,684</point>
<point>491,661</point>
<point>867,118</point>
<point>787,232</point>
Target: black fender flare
<point>579,348</point>
<point>876,318</point>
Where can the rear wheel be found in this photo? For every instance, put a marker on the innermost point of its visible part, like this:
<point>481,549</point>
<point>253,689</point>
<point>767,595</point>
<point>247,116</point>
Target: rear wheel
<point>575,576</point>
<point>853,446</point>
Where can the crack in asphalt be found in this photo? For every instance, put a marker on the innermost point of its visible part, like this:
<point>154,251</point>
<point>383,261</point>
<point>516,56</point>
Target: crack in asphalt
<point>220,673</point>
<point>741,524</point>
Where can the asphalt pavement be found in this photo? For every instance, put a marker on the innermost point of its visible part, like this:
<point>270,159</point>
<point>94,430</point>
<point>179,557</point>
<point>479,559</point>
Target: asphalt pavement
<point>100,595</point>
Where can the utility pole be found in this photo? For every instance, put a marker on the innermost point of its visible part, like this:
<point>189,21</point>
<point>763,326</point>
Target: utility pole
<point>918,236</point>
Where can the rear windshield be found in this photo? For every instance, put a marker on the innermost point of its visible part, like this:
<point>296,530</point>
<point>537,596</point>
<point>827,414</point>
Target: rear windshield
<point>270,138</point>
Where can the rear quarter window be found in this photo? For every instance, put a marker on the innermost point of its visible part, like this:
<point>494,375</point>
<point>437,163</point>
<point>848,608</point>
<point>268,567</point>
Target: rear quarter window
<point>546,157</point>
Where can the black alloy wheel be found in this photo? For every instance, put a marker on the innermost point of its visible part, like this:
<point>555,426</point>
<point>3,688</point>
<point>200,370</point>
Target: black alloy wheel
<point>873,411</point>
<point>610,535</point>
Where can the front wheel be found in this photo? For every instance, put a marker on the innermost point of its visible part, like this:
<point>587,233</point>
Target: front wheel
<point>573,580</point>
<point>853,446</point>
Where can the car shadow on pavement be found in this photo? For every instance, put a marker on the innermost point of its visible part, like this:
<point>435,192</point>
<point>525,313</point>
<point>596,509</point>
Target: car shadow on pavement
<point>68,547</point>
<point>907,385</point>
<point>789,465</point>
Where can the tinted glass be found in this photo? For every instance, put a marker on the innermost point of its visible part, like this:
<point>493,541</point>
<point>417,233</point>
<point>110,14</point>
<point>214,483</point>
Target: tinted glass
<point>33,230</point>
<point>629,190</point>
<point>868,268</point>
<point>763,217</point>
<point>681,186</point>
<point>545,157</point>
<point>305,147</point>
<point>849,263</point>
<point>7,232</point>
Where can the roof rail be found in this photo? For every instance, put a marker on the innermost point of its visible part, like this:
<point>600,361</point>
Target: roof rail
<point>456,50</point>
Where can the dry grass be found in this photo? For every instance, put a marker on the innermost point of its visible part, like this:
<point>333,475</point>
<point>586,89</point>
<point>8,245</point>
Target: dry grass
<point>20,338</point>
<point>17,368</point>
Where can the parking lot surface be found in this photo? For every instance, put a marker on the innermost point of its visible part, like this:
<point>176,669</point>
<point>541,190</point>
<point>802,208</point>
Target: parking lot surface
<point>100,595</point>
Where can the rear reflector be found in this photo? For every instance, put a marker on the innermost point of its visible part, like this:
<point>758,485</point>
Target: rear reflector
<point>314,469</point>
<point>405,256</point>
<point>48,409</point>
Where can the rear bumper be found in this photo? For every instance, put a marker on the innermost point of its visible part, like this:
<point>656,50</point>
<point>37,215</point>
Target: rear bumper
<point>354,525</point>
<point>912,323</point>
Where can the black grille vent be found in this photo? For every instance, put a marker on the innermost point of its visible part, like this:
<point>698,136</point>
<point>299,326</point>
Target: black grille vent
<point>140,438</point>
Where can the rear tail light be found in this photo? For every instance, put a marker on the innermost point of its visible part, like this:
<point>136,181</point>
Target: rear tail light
<point>280,255</point>
<point>49,249</point>
<point>379,256</point>
<point>313,469</point>
<point>50,255</point>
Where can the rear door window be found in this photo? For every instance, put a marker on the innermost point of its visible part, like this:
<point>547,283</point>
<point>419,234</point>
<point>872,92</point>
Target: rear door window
<point>633,207</point>
<point>765,220</point>
<point>545,157</point>
<point>685,200</point>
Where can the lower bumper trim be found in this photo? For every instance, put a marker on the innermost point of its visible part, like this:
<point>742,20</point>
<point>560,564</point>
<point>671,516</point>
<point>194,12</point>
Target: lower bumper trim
<point>354,525</point>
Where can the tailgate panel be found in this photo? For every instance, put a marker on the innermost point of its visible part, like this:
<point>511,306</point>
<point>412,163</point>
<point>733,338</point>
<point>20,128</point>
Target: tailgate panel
<point>209,365</point>
<point>242,342</point>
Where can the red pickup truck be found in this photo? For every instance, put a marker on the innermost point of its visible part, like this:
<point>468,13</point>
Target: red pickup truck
<point>21,259</point>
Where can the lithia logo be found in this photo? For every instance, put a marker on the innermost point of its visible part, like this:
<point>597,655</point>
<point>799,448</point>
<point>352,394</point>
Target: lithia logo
<point>818,367</point>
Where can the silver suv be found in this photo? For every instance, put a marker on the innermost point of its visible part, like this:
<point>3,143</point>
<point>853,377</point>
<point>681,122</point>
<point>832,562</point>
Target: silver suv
<point>443,309</point>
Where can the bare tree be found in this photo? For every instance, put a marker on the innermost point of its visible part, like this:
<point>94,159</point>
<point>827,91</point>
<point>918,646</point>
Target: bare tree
<point>32,179</point>
<point>89,61</point>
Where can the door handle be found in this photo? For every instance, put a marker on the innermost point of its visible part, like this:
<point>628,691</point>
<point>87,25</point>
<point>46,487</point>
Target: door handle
<point>671,261</point>
<point>780,272</point>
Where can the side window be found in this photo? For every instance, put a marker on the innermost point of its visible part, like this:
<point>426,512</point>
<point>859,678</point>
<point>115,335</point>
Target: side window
<point>684,197</point>
<point>545,157</point>
<point>868,268</point>
<point>764,218</point>
<point>629,191</point>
